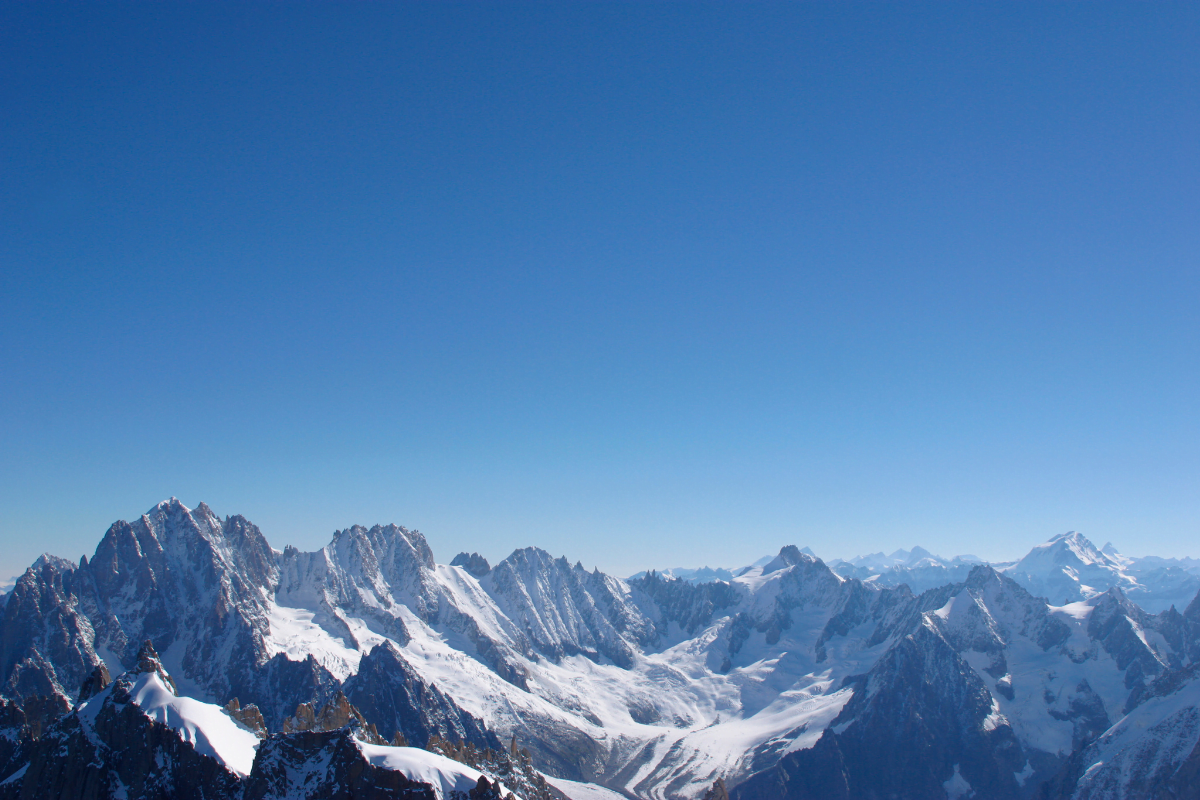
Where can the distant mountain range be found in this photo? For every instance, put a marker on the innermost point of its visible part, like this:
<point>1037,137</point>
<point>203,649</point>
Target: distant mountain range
<point>188,658</point>
<point>1065,569</point>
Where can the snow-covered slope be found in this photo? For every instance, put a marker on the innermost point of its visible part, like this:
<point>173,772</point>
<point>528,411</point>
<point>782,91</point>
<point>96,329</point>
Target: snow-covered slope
<point>1144,749</point>
<point>204,726</point>
<point>446,776</point>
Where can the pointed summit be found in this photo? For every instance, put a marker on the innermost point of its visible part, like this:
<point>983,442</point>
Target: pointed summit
<point>473,563</point>
<point>789,556</point>
<point>918,552</point>
<point>95,683</point>
<point>148,661</point>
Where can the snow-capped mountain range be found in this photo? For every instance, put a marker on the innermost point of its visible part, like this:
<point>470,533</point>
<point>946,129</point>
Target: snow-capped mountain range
<point>790,679</point>
<point>1066,568</point>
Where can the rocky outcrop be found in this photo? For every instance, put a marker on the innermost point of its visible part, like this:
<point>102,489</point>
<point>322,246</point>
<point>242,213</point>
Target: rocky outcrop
<point>511,767</point>
<point>248,716</point>
<point>717,791</point>
<point>95,683</point>
<point>337,714</point>
<point>15,736</point>
<point>325,765</point>
<point>473,563</point>
<point>279,685</point>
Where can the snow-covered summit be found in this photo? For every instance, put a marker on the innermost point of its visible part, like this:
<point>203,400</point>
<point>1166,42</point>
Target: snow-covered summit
<point>1069,568</point>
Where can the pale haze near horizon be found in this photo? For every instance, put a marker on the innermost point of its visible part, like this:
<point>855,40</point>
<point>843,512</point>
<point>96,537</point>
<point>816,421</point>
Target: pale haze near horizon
<point>645,286</point>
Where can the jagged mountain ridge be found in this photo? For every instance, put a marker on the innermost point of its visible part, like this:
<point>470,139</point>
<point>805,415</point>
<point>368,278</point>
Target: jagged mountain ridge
<point>654,686</point>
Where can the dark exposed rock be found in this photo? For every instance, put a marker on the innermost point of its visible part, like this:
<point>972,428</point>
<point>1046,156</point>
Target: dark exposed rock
<point>42,711</point>
<point>94,684</point>
<point>511,766</point>
<point>337,714</point>
<point>14,737</point>
<point>689,605</point>
<point>148,661</point>
<point>473,563</point>
<point>325,765</point>
<point>1112,623</point>
<point>281,684</point>
<point>248,716</point>
<point>718,791</point>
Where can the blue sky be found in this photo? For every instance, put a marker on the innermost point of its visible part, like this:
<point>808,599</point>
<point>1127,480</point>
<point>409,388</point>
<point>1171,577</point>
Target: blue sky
<point>642,284</point>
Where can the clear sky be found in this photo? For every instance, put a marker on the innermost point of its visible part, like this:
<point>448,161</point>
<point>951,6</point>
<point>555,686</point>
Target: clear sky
<point>643,284</point>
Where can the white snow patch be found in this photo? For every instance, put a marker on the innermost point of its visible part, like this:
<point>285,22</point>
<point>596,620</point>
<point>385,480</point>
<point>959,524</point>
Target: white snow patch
<point>16,776</point>
<point>957,785</point>
<point>444,774</point>
<point>576,790</point>
<point>995,719</point>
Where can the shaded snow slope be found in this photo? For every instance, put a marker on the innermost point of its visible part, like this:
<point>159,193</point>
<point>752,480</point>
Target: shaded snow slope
<point>576,790</point>
<point>445,775</point>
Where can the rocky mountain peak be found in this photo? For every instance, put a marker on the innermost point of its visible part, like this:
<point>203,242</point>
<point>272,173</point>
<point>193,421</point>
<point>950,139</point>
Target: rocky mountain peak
<point>94,684</point>
<point>48,560</point>
<point>1073,545</point>
<point>789,556</point>
<point>1192,612</point>
<point>148,662</point>
<point>389,543</point>
<point>982,575</point>
<point>473,563</point>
